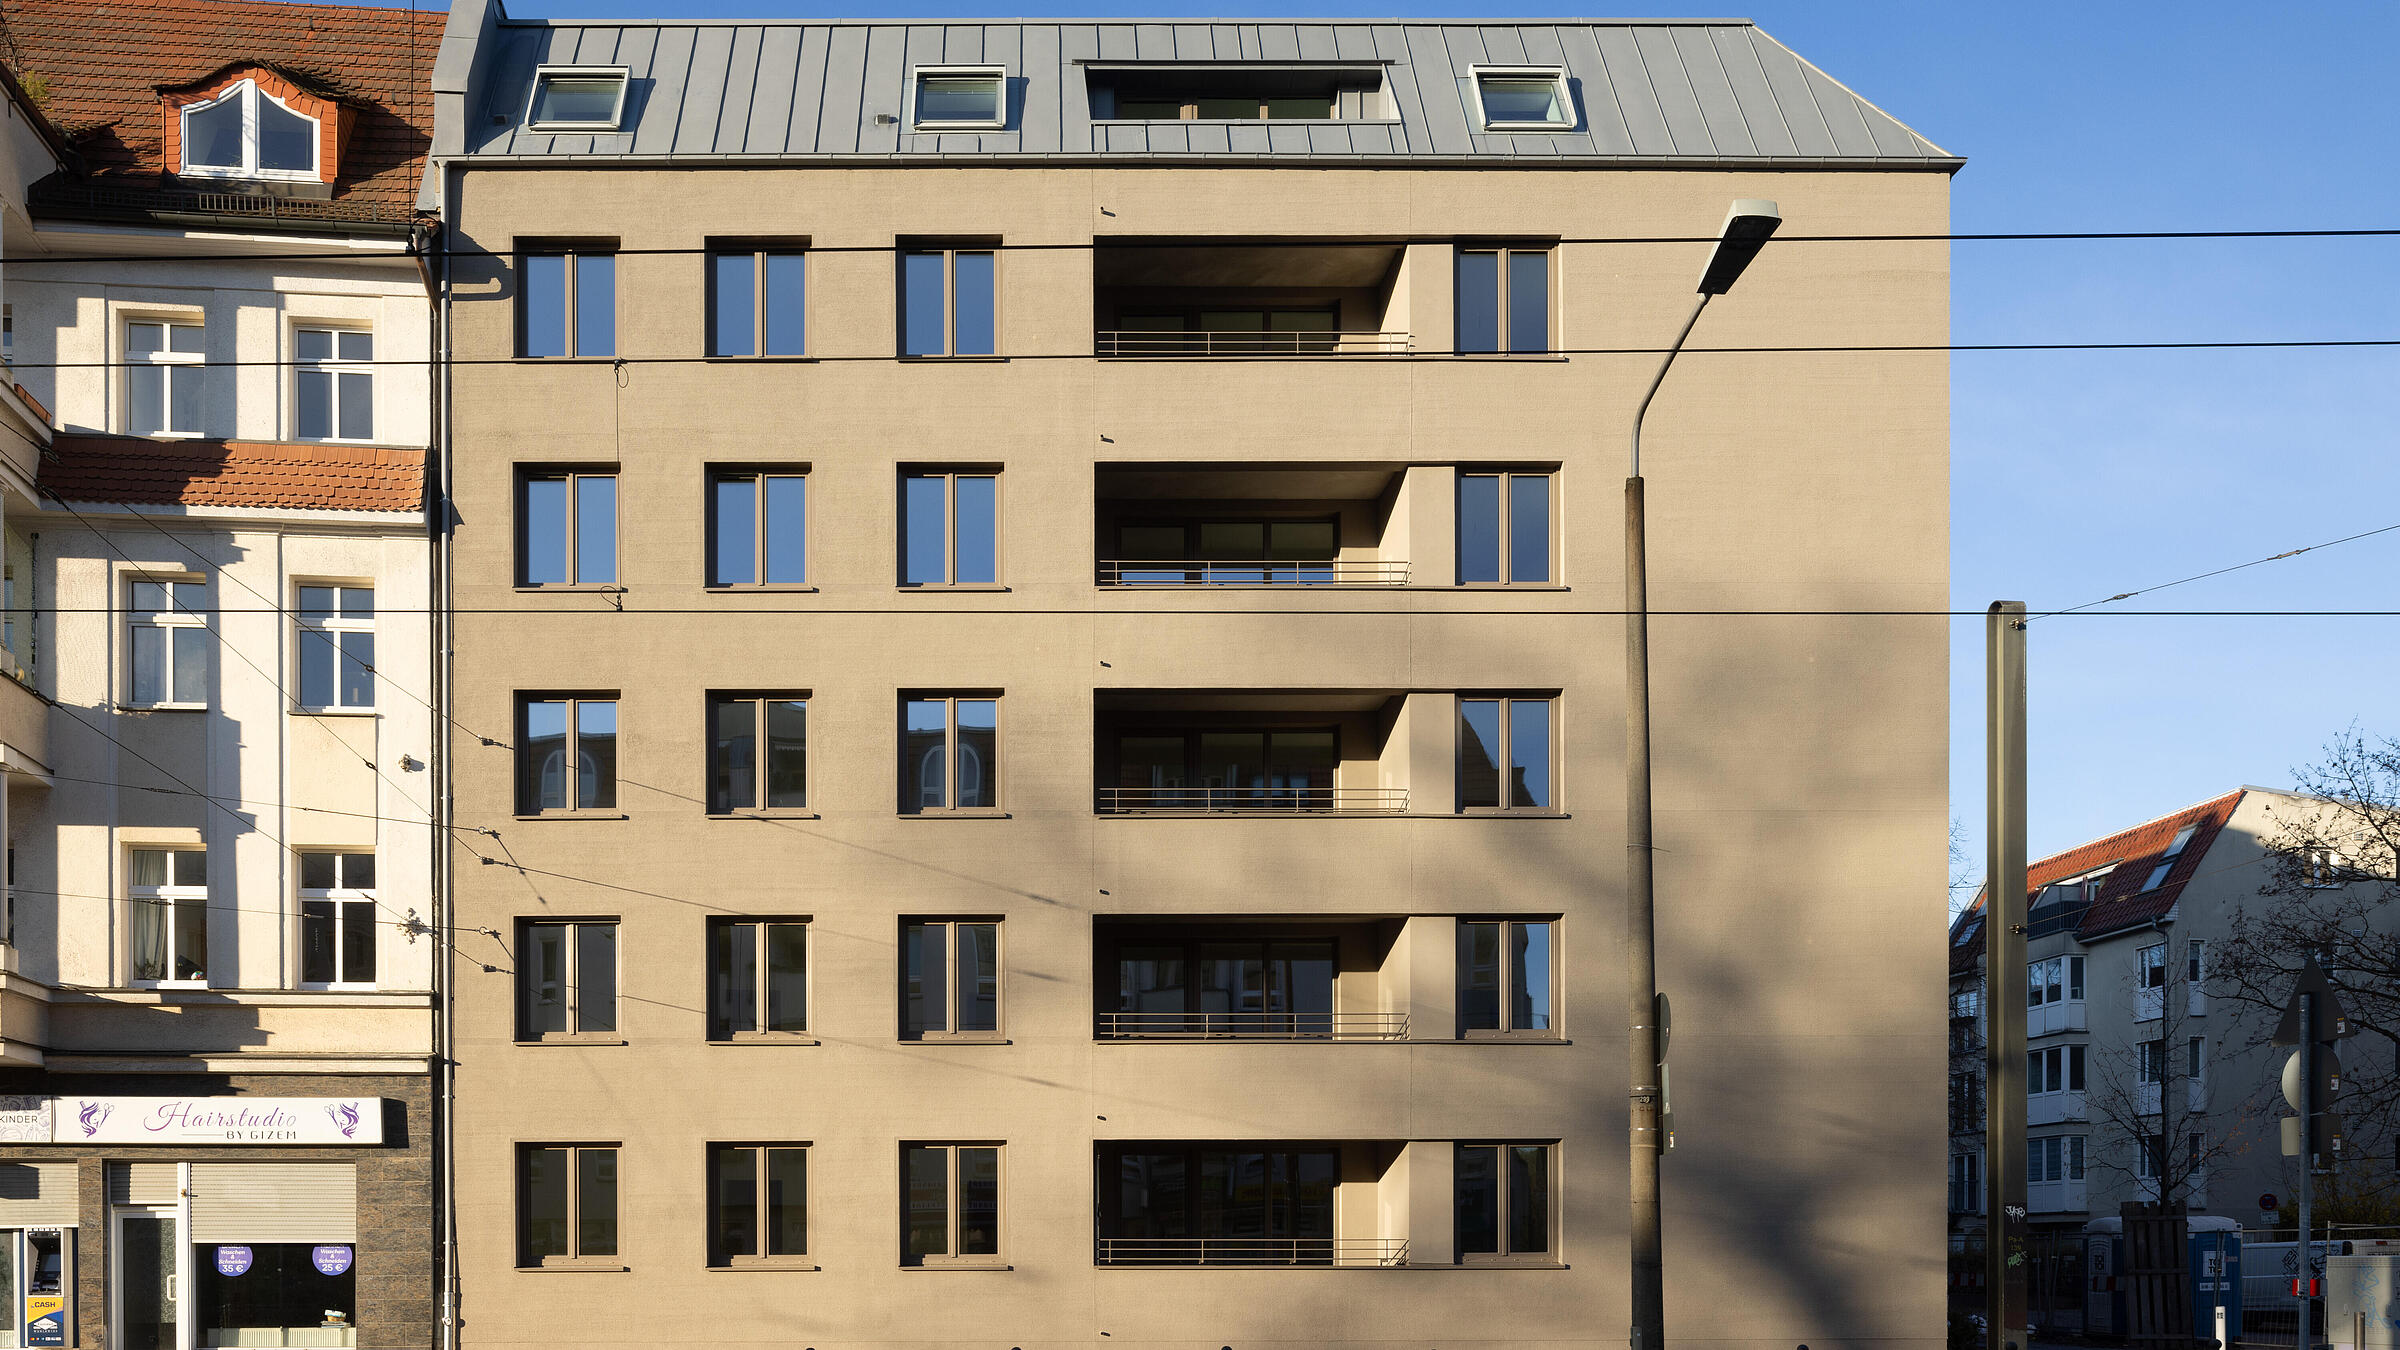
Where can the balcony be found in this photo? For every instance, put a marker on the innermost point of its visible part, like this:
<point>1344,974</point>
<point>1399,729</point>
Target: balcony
<point>1171,979</point>
<point>1239,1203</point>
<point>1219,753</point>
<point>1181,299</point>
<point>1251,1251</point>
<point>1177,527</point>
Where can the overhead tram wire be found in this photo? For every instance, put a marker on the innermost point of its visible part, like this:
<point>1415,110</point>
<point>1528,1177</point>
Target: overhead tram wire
<point>2218,572</point>
<point>1187,241</point>
<point>1002,358</point>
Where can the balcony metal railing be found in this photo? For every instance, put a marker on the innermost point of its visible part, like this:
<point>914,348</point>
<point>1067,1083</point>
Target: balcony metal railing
<point>1186,342</point>
<point>1256,801</point>
<point>1252,572</point>
<point>1250,1251</point>
<point>1252,1026</point>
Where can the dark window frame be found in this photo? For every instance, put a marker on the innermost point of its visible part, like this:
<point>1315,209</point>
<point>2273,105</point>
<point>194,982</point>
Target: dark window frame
<point>759,252</point>
<point>1505,749</point>
<point>528,787</point>
<point>763,1229</point>
<point>721,1017</point>
<point>1505,528</point>
<point>1506,993</point>
<point>1504,254</point>
<point>761,766</point>
<point>758,476</point>
<point>572,252</point>
<point>1504,1155</point>
<point>950,476</point>
<point>575,1256</point>
<point>952,1257</point>
<point>571,529</point>
<point>571,981</point>
<point>954,978</point>
<point>949,252</point>
<point>950,699</point>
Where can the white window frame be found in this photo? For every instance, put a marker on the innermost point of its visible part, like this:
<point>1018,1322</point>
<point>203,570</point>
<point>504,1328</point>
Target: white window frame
<point>2322,869</point>
<point>917,75</point>
<point>166,896</point>
<point>339,896</point>
<point>2147,959</point>
<point>328,629</point>
<point>249,92</point>
<point>168,621</point>
<point>543,74</point>
<point>175,365</point>
<point>1557,75</point>
<point>333,367</point>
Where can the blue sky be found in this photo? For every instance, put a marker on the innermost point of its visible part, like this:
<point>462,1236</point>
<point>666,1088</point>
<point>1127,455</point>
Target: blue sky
<point>2079,475</point>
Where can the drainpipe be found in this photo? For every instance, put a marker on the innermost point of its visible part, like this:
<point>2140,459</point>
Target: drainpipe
<point>437,521</point>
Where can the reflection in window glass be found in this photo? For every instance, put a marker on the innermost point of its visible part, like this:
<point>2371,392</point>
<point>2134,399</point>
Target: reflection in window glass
<point>921,304</point>
<point>974,307</point>
<point>1478,753</point>
<point>1478,302</point>
<point>1528,301</point>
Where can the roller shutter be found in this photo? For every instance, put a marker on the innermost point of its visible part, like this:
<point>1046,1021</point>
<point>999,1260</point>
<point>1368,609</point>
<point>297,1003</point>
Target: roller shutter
<point>37,1195</point>
<point>274,1202</point>
<point>143,1183</point>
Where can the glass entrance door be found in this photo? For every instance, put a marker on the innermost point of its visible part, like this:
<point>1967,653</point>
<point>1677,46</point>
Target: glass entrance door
<point>146,1280</point>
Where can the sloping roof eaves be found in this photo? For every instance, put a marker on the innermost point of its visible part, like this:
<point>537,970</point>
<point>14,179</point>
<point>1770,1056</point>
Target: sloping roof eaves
<point>283,475</point>
<point>1697,92</point>
<point>2133,854</point>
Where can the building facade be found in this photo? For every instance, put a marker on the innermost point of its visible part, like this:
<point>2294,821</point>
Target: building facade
<point>216,1120</point>
<point>2140,1085</point>
<point>1035,663</point>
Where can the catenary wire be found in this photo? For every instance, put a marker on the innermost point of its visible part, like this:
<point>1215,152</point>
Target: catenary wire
<point>1107,242</point>
<point>2203,576</point>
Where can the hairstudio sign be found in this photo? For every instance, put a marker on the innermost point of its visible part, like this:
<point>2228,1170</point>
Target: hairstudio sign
<point>193,1121</point>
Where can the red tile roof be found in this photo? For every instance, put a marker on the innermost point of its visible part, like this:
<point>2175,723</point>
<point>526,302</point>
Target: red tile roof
<point>2122,903</point>
<point>136,471</point>
<point>99,66</point>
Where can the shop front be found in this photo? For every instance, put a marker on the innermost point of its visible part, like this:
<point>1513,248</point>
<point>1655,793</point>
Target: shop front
<point>187,1223</point>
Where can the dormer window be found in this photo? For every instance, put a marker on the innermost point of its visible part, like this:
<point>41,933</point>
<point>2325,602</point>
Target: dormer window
<point>246,132</point>
<point>960,98</point>
<point>577,98</point>
<point>1523,98</point>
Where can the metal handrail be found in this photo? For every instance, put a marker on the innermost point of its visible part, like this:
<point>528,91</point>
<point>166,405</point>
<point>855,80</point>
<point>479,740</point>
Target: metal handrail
<point>1250,1251</point>
<point>1253,572</point>
<point>1255,1026</point>
<point>1193,342</point>
<point>1254,801</point>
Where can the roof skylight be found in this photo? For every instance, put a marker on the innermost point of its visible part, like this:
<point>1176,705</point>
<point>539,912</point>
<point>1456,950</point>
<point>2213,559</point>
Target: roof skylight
<point>577,98</point>
<point>1523,98</point>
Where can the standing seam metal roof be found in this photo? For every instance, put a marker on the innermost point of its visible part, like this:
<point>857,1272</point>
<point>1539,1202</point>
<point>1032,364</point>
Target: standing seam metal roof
<point>1676,91</point>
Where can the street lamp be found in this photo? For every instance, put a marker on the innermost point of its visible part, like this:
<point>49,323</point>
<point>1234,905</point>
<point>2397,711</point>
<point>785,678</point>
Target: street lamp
<point>1747,227</point>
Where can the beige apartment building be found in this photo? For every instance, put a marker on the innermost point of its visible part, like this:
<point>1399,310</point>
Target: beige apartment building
<point>1035,657</point>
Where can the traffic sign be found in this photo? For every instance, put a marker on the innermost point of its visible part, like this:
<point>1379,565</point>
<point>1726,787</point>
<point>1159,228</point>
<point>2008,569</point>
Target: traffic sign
<point>2328,1081</point>
<point>2328,1023</point>
<point>2268,1201</point>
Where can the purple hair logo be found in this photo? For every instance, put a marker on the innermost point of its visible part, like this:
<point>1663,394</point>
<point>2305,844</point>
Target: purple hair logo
<point>93,1116</point>
<point>345,1118</point>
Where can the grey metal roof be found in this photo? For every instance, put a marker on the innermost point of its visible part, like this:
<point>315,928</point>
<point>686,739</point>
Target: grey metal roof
<point>1663,91</point>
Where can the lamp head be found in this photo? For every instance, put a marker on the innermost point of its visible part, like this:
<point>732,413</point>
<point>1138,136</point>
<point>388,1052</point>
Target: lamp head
<point>1748,226</point>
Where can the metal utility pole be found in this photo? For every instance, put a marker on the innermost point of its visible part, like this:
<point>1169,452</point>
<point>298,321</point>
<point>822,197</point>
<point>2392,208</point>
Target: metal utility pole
<point>2004,1225</point>
<point>2308,1155</point>
<point>1746,230</point>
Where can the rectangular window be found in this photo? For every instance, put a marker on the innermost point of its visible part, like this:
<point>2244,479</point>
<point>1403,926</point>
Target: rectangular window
<point>949,979</point>
<point>2195,1058</point>
<point>2150,1061</point>
<point>2075,978</point>
<point>757,1204</point>
<point>1503,300</point>
<point>164,378</point>
<point>567,302</point>
<point>2037,1075</point>
<point>333,384</point>
<point>337,919</point>
<point>757,528</point>
<point>2150,1151</point>
<point>950,1204</point>
<point>1503,1201</point>
<point>948,304</point>
<point>1516,732</point>
<point>949,753</point>
<point>758,301</point>
<point>567,1204</point>
<point>961,98</point>
<point>1504,529</point>
<point>757,978</point>
<point>566,754</point>
<point>2075,1057</point>
<point>2150,967</point>
<point>566,528</point>
<point>336,639</point>
<point>167,931</point>
<point>567,979</point>
<point>1506,971</point>
<point>2195,953</point>
<point>167,644</point>
<point>576,98</point>
<point>1224,984</point>
<point>949,528</point>
<point>1523,98</point>
<point>757,753</point>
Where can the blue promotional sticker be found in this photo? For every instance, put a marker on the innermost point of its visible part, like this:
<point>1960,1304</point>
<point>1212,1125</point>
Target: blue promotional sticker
<point>233,1260</point>
<point>330,1260</point>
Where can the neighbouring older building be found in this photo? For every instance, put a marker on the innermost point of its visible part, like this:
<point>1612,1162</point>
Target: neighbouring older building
<point>1038,683</point>
<point>2140,1085</point>
<point>216,1119</point>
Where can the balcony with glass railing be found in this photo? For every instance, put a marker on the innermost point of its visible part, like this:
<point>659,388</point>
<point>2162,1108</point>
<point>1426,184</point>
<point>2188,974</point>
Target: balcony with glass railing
<point>1260,754</point>
<point>1169,298</point>
<point>1180,527</point>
